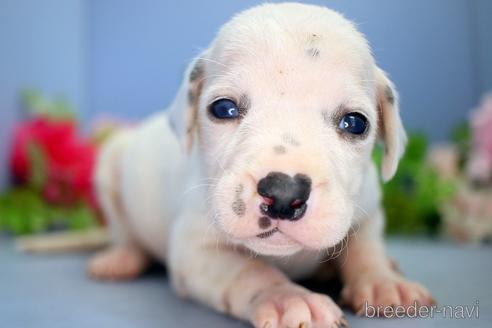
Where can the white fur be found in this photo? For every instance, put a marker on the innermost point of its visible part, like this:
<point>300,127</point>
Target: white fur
<point>174,195</point>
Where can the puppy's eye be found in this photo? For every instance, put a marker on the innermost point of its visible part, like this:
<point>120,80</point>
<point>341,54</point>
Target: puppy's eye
<point>354,123</point>
<point>224,109</point>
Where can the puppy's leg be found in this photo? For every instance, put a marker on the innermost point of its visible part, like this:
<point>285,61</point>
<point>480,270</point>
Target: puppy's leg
<point>234,282</point>
<point>369,276</point>
<point>124,259</point>
<point>118,263</point>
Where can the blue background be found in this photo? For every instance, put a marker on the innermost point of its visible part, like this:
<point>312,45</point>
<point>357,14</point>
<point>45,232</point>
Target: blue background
<point>126,57</point>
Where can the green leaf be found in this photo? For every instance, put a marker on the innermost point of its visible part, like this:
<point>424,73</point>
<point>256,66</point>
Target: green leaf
<point>38,166</point>
<point>61,109</point>
<point>461,135</point>
<point>36,104</point>
<point>82,218</point>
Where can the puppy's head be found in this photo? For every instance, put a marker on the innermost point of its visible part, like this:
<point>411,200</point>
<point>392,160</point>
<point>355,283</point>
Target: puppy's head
<point>286,106</point>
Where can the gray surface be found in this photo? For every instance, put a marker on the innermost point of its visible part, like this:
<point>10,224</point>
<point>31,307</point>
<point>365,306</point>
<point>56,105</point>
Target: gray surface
<point>53,291</point>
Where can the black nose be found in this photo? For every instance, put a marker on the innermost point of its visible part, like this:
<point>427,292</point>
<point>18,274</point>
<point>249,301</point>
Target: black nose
<point>285,197</point>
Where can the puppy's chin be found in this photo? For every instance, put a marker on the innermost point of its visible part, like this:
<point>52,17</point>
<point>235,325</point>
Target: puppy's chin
<point>277,244</point>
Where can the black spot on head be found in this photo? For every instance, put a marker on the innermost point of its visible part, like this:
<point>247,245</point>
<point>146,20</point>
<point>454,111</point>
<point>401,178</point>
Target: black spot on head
<point>279,149</point>
<point>289,139</point>
<point>264,222</point>
<point>313,52</point>
<point>390,96</point>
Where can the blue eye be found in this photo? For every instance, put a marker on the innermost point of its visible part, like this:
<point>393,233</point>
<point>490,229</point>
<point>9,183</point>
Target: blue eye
<point>354,123</point>
<point>224,109</point>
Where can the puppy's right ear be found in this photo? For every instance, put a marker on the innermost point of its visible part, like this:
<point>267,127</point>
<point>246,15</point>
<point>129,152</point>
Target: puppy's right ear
<point>391,129</point>
<point>184,109</point>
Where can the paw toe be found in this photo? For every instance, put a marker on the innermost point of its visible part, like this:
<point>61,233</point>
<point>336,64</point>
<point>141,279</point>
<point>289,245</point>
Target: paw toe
<point>266,316</point>
<point>296,313</point>
<point>387,295</point>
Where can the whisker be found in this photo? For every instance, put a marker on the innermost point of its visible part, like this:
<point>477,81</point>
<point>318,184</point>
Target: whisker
<point>212,61</point>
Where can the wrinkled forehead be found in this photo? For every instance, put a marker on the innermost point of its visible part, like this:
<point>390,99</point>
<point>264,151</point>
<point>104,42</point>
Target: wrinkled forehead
<point>307,64</point>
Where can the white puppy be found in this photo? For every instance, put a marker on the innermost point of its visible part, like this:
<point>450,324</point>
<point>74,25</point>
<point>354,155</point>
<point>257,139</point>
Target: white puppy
<point>276,123</point>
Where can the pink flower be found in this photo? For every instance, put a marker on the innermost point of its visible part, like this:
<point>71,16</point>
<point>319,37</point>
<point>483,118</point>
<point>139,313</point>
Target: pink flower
<point>69,159</point>
<point>480,163</point>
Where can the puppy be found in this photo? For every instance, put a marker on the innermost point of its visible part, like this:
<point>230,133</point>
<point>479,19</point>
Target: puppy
<point>260,168</point>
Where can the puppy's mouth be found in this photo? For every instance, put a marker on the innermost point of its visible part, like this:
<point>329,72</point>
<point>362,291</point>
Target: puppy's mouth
<point>273,242</point>
<point>276,235</point>
<point>267,234</point>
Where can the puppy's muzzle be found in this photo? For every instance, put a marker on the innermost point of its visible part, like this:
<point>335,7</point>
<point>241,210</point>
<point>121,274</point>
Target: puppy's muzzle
<point>284,197</point>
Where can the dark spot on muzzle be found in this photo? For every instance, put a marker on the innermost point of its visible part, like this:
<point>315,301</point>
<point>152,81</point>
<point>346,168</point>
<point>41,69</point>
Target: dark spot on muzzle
<point>264,222</point>
<point>238,205</point>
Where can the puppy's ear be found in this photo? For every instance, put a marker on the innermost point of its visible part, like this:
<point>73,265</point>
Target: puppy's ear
<point>391,129</point>
<point>184,109</point>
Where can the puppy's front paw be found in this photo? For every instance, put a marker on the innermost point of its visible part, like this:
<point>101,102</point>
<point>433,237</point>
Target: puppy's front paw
<point>382,290</point>
<point>292,306</point>
<point>118,263</point>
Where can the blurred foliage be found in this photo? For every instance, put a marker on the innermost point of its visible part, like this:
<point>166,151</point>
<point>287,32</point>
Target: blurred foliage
<point>24,211</point>
<point>413,197</point>
<point>36,104</point>
<point>23,208</point>
<point>461,137</point>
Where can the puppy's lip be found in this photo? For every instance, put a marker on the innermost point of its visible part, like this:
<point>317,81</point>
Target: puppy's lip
<point>275,236</point>
<point>268,233</point>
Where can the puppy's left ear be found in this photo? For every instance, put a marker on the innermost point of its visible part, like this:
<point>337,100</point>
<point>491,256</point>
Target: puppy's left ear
<point>184,109</point>
<point>391,129</point>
